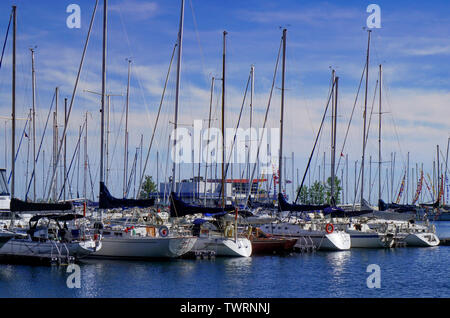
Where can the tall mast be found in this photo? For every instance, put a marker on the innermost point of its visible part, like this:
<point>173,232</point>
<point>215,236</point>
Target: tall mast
<point>177,94</point>
<point>333,153</point>
<point>252,92</point>
<point>65,148</point>
<point>207,145</point>
<point>438,176</point>
<point>365,119</point>
<point>223,116</point>
<point>102,128</point>
<point>125,159</point>
<point>13,106</point>
<point>280,159</point>
<point>33,84</point>
<point>55,144</point>
<point>85,159</point>
<point>379,141</point>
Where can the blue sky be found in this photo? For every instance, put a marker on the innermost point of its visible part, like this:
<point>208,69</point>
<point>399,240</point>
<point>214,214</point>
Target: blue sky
<point>413,45</point>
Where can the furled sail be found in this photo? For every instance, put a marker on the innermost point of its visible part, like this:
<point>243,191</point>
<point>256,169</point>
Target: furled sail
<point>283,205</point>
<point>178,208</point>
<point>107,201</point>
<point>22,206</point>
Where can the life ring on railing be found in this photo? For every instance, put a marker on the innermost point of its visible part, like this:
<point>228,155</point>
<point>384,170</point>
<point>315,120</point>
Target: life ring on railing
<point>329,228</point>
<point>163,231</point>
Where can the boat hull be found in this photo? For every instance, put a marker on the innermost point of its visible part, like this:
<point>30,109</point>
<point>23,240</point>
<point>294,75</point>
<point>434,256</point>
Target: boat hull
<point>145,248</point>
<point>422,240</point>
<point>369,240</point>
<point>26,248</point>
<point>222,246</point>
<point>336,241</point>
<point>269,246</point>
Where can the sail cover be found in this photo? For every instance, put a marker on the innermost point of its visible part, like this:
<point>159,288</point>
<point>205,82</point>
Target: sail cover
<point>21,206</point>
<point>178,208</point>
<point>107,201</point>
<point>400,208</point>
<point>283,205</point>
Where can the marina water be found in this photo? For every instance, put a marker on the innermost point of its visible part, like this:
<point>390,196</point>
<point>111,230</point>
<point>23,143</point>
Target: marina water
<point>405,272</point>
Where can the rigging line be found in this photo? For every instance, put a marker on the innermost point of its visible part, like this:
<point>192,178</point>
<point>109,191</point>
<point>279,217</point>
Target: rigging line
<point>202,57</point>
<point>20,144</point>
<point>371,112</point>
<point>315,144</point>
<point>90,177</point>
<point>40,145</point>
<point>66,177</point>
<point>265,118</point>
<point>235,134</point>
<point>73,95</point>
<point>6,39</point>
<point>157,119</point>
<point>351,116</point>
<point>117,136</point>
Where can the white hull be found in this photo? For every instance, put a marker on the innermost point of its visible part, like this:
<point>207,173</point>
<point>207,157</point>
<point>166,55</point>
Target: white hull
<point>336,241</point>
<point>145,247</point>
<point>23,247</point>
<point>369,240</point>
<point>422,240</point>
<point>225,246</point>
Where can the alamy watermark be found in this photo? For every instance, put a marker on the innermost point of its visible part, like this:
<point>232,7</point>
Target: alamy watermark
<point>374,19</point>
<point>374,279</point>
<point>74,279</point>
<point>200,145</point>
<point>74,19</point>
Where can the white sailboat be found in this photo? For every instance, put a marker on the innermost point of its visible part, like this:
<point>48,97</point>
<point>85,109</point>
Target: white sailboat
<point>46,238</point>
<point>222,243</point>
<point>142,242</point>
<point>323,236</point>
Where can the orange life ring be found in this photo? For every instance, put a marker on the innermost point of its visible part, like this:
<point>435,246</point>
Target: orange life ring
<point>329,228</point>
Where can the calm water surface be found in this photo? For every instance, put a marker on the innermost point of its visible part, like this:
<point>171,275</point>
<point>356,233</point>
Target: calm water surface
<point>405,272</point>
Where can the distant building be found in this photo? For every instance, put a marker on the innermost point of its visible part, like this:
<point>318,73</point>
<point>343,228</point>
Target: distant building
<point>196,190</point>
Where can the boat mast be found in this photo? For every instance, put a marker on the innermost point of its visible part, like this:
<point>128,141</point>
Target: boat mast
<point>333,142</point>
<point>438,176</point>
<point>365,119</point>
<point>13,115</point>
<point>33,84</point>
<point>177,94</point>
<point>102,128</point>
<point>55,143</point>
<point>379,140</point>
<point>65,149</point>
<point>280,159</point>
<point>125,158</point>
<point>252,92</point>
<point>85,159</point>
<point>207,145</point>
<point>223,117</point>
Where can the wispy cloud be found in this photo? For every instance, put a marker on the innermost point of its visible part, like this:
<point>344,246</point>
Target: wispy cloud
<point>140,10</point>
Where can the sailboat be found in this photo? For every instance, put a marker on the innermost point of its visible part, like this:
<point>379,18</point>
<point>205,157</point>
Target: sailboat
<point>135,241</point>
<point>219,235</point>
<point>48,239</point>
<point>323,235</point>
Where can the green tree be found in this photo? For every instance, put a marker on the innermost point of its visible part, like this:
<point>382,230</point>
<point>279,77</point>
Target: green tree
<point>337,190</point>
<point>148,187</point>
<point>313,195</point>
